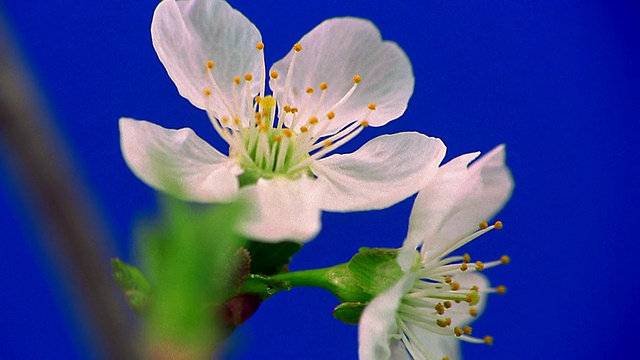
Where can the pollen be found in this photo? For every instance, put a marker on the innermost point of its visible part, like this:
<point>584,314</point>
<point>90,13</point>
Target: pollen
<point>498,225</point>
<point>294,110</point>
<point>267,102</point>
<point>458,331</point>
<point>313,120</point>
<point>372,106</point>
<point>455,286</point>
<point>327,143</point>
<point>505,259</point>
<point>331,115</point>
<point>475,288</point>
<point>288,133</point>
<point>324,86</point>
<point>466,258</point>
<point>464,266</point>
<point>447,279</point>
<point>467,329</point>
<point>439,308</point>
<point>357,79</point>
<point>443,323</point>
<point>309,90</point>
<point>274,74</point>
<point>207,92</point>
<point>209,64</point>
<point>236,79</point>
<point>248,77</point>
<point>501,289</point>
<point>303,129</point>
<point>483,225</point>
<point>364,123</point>
<point>260,46</point>
<point>287,108</point>
<point>488,340</point>
<point>297,47</point>
<point>448,304</point>
<point>473,312</point>
<point>479,265</point>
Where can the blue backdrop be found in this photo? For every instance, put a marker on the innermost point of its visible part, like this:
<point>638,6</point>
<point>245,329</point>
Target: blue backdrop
<point>557,81</point>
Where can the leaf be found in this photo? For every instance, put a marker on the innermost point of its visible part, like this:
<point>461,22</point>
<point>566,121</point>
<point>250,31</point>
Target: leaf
<point>375,269</point>
<point>349,312</point>
<point>270,259</point>
<point>134,286</point>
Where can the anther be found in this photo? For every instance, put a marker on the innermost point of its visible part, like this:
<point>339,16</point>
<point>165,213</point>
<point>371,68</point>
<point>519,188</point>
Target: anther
<point>505,259</point>
<point>288,133</point>
<point>313,120</point>
<point>457,331</point>
<point>501,289</point>
<point>483,225</point>
<point>479,266</point>
<point>445,358</point>
<point>441,323</point>
<point>447,279</point>
<point>297,47</point>
<point>257,116</point>
<point>439,308</point>
<point>262,127</point>
<point>464,266</point>
<point>236,79</point>
<point>274,74</point>
<point>303,129</point>
<point>236,120</point>
<point>277,138</point>
<point>455,286</point>
<point>498,225</point>
<point>331,115</point>
<point>207,92</point>
<point>224,120</point>
<point>324,86</point>
<point>309,90</point>
<point>448,304</point>
<point>475,288</point>
<point>294,110</point>
<point>287,108</point>
<point>372,106</point>
<point>466,258</point>
<point>260,46</point>
<point>248,77</point>
<point>469,298</point>
<point>488,340</point>
<point>258,99</point>
<point>364,123</point>
<point>357,79</point>
<point>467,329</point>
<point>473,312</point>
<point>209,64</point>
<point>327,143</point>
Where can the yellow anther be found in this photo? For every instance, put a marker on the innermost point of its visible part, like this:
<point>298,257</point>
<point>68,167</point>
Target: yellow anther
<point>288,133</point>
<point>331,115</point>
<point>262,127</point>
<point>455,286</point>
<point>464,266</point>
<point>357,79</point>
<point>448,304</point>
<point>260,46</point>
<point>473,312</point>
<point>483,225</point>
<point>488,340</point>
<point>364,123</point>
<point>469,298</point>
<point>236,120</point>
<point>309,90</point>
<point>207,92</point>
<point>297,47</point>
<point>327,143</point>
<point>267,102</point>
<point>501,289</point>
<point>441,323</point>
<point>439,308</point>
<point>372,106</point>
<point>303,129</point>
<point>466,258</point>
<point>498,225</point>
<point>259,120</point>
<point>505,259</point>
<point>447,279</point>
<point>265,113</point>
<point>248,77</point>
<point>467,329</point>
<point>274,74</point>
<point>475,288</point>
<point>458,331</point>
<point>313,120</point>
<point>224,120</point>
<point>479,266</point>
<point>277,138</point>
<point>324,86</point>
<point>210,65</point>
<point>445,358</point>
<point>294,110</point>
<point>287,108</point>
<point>257,99</point>
<point>258,116</point>
<point>236,79</point>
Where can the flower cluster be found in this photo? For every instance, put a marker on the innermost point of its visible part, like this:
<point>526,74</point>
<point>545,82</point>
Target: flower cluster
<point>283,126</point>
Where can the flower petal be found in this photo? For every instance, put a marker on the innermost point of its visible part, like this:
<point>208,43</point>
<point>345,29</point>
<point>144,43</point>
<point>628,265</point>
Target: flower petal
<point>378,321</point>
<point>439,346</point>
<point>457,200</point>
<point>177,162</point>
<point>187,34</point>
<point>382,172</point>
<point>283,209</point>
<point>334,52</point>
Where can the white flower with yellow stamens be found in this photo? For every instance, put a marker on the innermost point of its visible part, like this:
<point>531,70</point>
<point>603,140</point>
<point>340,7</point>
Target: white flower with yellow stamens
<point>428,310</point>
<point>340,78</point>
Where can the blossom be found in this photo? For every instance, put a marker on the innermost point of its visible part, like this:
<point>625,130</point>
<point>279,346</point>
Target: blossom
<point>338,79</point>
<point>427,311</point>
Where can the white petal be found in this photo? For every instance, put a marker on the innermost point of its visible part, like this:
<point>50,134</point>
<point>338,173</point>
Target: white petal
<point>334,52</point>
<point>283,209</point>
<point>458,199</point>
<point>187,34</point>
<point>382,172</point>
<point>177,162</point>
<point>438,346</point>
<point>378,321</point>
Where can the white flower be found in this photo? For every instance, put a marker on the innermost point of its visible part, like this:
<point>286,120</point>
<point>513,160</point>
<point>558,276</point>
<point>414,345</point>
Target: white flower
<point>425,313</point>
<point>338,79</point>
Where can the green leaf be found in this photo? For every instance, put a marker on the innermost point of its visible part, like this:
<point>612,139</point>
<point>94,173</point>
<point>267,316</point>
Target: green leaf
<point>270,259</point>
<point>134,286</point>
<point>375,269</point>
<point>349,312</point>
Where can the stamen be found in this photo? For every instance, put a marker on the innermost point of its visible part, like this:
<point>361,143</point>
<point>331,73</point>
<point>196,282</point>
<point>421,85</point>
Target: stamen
<point>448,304</point>
<point>324,86</point>
<point>488,340</point>
<point>371,106</point>
<point>505,259</point>
<point>248,77</point>
<point>467,329</point>
<point>331,115</point>
<point>260,46</point>
<point>473,312</point>
<point>357,79</point>
<point>497,225</point>
<point>483,225</point>
<point>479,266</point>
<point>309,90</point>
<point>274,74</point>
<point>501,289</point>
<point>297,47</point>
<point>236,79</point>
<point>207,92</point>
<point>209,64</point>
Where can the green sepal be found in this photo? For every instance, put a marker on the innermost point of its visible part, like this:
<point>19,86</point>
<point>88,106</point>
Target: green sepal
<point>270,259</point>
<point>133,284</point>
<point>375,269</point>
<point>349,312</point>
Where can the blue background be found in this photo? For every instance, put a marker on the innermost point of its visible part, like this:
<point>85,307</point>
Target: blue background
<point>557,81</point>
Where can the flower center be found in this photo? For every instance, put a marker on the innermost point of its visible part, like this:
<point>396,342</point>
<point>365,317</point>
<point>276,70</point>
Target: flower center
<point>278,139</point>
<point>435,298</point>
